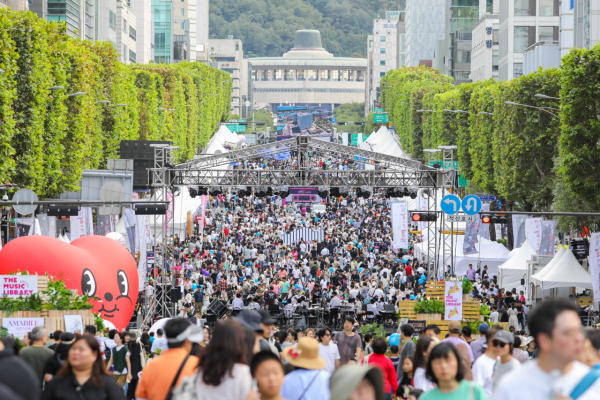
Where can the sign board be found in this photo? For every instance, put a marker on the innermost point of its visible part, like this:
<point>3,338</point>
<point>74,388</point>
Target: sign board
<point>453,301</point>
<point>446,164</point>
<point>333,120</point>
<point>471,204</point>
<point>380,118</point>
<point>486,197</point>
<point>14,286</point>
<point>18,327</point>
<point>451,204</point>
<point>418,325</point>
<point>378,110</point>
<point>460,218</point>
<point>236,128</point>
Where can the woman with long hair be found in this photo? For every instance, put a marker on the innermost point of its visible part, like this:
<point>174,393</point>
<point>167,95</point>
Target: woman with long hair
<point>424,346</point>
<point>223,372</point>
<point>146,342</point>
<point>83,375</point>
<point>61,353</point>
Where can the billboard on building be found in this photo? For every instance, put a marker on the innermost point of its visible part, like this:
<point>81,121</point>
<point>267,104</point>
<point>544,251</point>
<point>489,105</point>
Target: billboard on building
<point>304,120</point>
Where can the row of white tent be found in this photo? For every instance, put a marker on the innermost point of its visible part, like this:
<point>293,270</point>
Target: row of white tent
<point>385,142</point>
<point>563,271</point>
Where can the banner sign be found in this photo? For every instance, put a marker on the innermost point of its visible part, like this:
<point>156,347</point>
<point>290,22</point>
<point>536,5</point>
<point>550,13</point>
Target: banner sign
<point>418,325</point>
<point>518,230</point>
<point>533,232</point>
<point>453,301</point>
<point>47,225</point>
<point>14,286</point>
<point>198,215</point>
<point>548,236</point>
<point>129,220</point>
<point>24,226</point>
<point>83,224</point>
<point>595,264</point>
<point>400,224</point>
<point>18,327</point>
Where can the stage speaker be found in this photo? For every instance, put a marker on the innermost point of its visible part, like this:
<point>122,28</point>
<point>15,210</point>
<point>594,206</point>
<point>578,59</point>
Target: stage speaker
<point>218,307</point>
<point>175,294</point>
<point>63,211</point>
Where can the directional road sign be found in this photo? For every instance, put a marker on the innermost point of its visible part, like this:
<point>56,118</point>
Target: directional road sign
<point>451,204</point>
<point>460,218</point>
<point>471,205</point>
<point>486,197</point>
<point>333,120</point>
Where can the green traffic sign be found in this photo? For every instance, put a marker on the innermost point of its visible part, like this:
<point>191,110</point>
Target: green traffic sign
<point>446,164</point>
<point>12,220</point>
<point>236,128</point>
<point>380,118</point>
<point>378,110</point>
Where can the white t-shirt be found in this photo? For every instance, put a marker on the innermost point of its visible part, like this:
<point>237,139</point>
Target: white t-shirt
<point>532,382</point>
<point>160,343</point>
<point>421,382</point>
<point>483,370</point>
<point>329,353</point>
<point>501,369</point>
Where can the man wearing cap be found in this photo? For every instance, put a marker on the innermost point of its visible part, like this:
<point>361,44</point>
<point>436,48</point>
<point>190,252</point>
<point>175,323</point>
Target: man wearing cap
<point>265,323</point>
<point>483,368</point>
<point>159,375</point>
<point>454,329</point>
<point>504,344</point>
<point>308,380</point>
<point>478,346</point>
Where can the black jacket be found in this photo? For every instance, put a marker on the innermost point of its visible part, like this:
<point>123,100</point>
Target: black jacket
<point>69,389</point>
<point>18,376</point>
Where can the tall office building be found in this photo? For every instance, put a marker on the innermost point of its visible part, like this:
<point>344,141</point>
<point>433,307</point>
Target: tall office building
<point>78,15</point>
<point>461,16</point>
<point>587,21</point>
<point>176,29</point>
<point>202,15</point>
<point>425,23</point>
<point>485,43</point>
<point>228,55</point>
<point>523,24</point>
<point>15,5</point>
<point>382,54</point>
<point>142,9</point>
<point>127,34</point>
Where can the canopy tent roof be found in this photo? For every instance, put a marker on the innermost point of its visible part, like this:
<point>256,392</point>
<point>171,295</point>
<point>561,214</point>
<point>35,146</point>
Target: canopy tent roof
<point>214,147</point>
<point>536,278</point>
<point>566,272</point>
<point>489,253</point>
<point>385,142</point>
<point>220,137</point>
<point>512,271</point>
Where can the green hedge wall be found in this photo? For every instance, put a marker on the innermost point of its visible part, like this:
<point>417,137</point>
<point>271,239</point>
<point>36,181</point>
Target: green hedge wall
<point>48,137</point>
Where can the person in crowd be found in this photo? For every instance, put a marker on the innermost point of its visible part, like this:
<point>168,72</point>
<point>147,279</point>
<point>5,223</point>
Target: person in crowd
<point>395,356</point>
<point>591,348</point>
<point>349,343</point>
<point>406,383</point>
<point>478,345</point>
<point>136,359</point>
<point>356,382</point>
<point>160,343</point>
<point>223,371</point>
<point>556,327</point>
<point>445,370</point>
<point>16,374</point>
<point>308,380</point>
<point>433,331</point>
<point>328,351</point>
<point>503,343</point>
<point>408,347</point>
<point>519,355</point>
<point>483,368</point>
<point>267,369</point>
<point>55,363</point>
<point>420,380</point>
<point>120,358</point>
<point>37,355</point>
<point>83,375</point>
<point>163,374</point>
<point>390,379</point>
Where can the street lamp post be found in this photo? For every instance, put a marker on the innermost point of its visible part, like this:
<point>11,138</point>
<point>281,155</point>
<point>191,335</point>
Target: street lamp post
<point>512,103</point>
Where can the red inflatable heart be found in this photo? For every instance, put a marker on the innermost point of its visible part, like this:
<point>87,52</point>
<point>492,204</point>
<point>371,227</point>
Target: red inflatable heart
<point>95,265</point>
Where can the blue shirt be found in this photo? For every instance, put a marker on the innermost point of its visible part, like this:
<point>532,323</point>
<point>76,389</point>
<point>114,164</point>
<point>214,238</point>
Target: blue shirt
<point>296,382</point>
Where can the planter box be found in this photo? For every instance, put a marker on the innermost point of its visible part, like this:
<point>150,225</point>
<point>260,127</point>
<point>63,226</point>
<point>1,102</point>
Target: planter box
<point>53,319</point>
<point>482,318</point>
<point>466,297</point>
<point>429,317</point>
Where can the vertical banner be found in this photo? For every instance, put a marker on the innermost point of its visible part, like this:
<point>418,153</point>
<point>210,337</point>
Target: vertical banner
<point>104,225</point>
<point>533,232</point>
<point>189,223</point>
<point>82,224</point>
<point>400,224</point>
<point>47,225</point>
<point>141,237</point>
<point>169,215</point>
<point>518,225</point>
<point>453,301</point>
<point>24,226</point>
<point>595,264</point>
<point>198,215</point>
<point>470,241</point>
<point>548,236</point>
<point>129,220</point>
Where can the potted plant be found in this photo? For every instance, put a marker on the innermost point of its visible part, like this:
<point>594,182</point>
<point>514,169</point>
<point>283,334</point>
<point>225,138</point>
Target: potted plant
<point>429,310</point>
<point>484,310</point>
<point>467,287</point>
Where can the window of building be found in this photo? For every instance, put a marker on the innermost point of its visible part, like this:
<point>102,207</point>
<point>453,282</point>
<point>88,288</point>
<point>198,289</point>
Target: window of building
<point>382,50</point>
<point>382,63</point>
<point>288,74</point>
<point>325,75</point>
<point>382,38</point>
<point>182,25</point>
<point>351,76</point>
<point>132,33</point>
<point>277,75</point>
<point>237,47</point>
<point>360,76</point>
<point>495,36</point>
<point>254,75</point>
<point>266,75</point>
<point>300,75</point>
<point>131,56</point>
<point>517,70</point>
<point>525,7</point>
<point>523,38</point>
<point>495,60</point>
<point>548,34</point>
<point>381,74</point>
<point>312,75</point>
<point>125,52</point>
<point>124,25</point>
<point>112,20</point>
<point>549,7</point>
<point>370,44</point>
<point>183,12</point>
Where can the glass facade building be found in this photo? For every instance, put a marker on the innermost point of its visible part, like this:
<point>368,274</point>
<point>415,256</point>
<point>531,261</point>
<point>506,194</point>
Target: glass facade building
<point>163,31</point>
<point>425,23</point>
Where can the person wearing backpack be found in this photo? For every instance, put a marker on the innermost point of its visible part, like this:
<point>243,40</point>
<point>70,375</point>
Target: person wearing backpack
<point>556,327</point>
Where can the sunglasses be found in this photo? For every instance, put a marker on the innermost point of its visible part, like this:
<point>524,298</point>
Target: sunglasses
<point>497,343</point>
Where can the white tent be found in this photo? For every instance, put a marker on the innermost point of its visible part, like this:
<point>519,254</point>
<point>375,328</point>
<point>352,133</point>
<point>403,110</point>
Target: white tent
<point>489,253</point>
<point>219,139</point>
<point>385,142</point>
<point>537,277</point>
<point>513,270</point>
<point>566,272</point>
<point>214,147</point>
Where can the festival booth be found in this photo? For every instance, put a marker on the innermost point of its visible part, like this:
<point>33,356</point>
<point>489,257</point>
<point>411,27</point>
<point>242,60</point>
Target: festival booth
<point>384,142</point>
<point>560,275</point>
<point>489,253</point>
<point>514,269</point>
